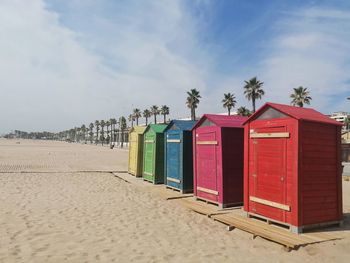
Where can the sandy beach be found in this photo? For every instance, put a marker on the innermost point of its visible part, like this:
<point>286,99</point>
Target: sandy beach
<point>59,202</point>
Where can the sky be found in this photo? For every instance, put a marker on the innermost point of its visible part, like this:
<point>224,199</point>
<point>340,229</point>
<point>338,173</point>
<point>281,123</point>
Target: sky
<point>68,63</point>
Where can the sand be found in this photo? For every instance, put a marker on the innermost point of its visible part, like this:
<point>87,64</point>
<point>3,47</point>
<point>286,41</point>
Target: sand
<point>59,203</point>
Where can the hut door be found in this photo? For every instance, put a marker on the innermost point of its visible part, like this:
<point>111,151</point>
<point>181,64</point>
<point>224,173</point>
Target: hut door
<point>173,159</point>
<point>268,194</point>
<point>149,155</point>
<point>206,165</point>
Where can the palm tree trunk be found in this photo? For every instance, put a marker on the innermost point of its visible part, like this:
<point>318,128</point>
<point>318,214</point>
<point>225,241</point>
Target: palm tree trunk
<point>146,121</point>
<point>229,111</point>
<point>137,121</point>
<point>155,119</point>
<point>253,101</point>
<point>164,116</point>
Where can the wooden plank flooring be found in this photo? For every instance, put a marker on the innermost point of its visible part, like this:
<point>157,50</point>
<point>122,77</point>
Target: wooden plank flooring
<point>272,232</point>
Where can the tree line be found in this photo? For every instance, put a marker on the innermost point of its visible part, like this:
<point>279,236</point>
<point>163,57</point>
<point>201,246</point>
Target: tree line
<point>113,130</point>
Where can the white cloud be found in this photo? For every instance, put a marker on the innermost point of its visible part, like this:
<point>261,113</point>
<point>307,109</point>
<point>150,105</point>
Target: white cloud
<point>310,50</point>
<point>53,78</point>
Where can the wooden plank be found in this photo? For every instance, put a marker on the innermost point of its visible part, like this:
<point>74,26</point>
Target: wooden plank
<point>173,180</point>
<point>149,141</point>
<point>174,141</point>
<point>271,232</point>
<point>209,191</point>
<point>207,142</point>
<point>270,135</point>
<point>269,203</point>
<point>148,173</point>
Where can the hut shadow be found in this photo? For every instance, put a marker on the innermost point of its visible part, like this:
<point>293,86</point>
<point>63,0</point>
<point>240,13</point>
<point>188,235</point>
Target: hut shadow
<point>345,226</point>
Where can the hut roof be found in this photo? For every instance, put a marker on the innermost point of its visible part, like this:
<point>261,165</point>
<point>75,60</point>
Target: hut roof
<point>233,121</point>
<point>298,113</point>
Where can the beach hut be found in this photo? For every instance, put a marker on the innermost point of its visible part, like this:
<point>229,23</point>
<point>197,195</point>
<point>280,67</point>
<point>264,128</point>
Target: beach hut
<point>178,155</point>
<point>136,150</point>
<point>292,168</point>
<point>218,159</point>
<point>153,153</point>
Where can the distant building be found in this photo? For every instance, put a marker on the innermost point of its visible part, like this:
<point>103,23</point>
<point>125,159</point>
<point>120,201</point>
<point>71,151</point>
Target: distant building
<point>341,116</point>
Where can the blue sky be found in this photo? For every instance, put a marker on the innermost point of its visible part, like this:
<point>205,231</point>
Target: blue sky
<point>65,63</point>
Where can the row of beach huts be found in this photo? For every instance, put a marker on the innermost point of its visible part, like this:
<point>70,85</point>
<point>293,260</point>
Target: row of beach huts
<point>283,163</point>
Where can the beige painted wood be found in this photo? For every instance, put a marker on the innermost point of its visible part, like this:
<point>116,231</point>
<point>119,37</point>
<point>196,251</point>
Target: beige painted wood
<point>207,142</point>
<point>270,135</point>
<point>269,203</point>
<point>173,180</point>
<point>176,141</point>
<point>209,191</point>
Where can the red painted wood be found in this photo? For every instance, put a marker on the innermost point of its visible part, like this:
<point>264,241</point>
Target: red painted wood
<point>308,161</point>
<point>219,167</point>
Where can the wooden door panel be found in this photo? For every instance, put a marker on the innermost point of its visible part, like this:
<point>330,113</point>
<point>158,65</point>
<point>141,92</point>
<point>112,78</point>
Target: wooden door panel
<point>173,159</point>
<point>206,165</point>
<point>269,173</point>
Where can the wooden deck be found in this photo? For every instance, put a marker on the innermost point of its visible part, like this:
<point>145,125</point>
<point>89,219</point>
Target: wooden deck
<point>272,232</point>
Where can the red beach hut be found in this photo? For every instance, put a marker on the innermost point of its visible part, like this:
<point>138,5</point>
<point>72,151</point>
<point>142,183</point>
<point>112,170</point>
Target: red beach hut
<point>292,168</point>
<point>218,147</point>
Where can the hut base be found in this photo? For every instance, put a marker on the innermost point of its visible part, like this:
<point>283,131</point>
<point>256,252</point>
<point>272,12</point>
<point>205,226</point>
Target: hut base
<point>182,191</point>
<point>221,206</point>
<point>291,228</point>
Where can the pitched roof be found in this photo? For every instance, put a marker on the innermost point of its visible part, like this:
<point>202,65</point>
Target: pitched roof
<point>296,113</point>
<point>157,128</point>
<point>184,125</point>
<point>138,129</point>
<point>233,121</point>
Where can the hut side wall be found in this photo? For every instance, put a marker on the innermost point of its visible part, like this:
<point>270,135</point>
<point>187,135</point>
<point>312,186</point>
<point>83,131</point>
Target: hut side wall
<point>139,161</point>
<point>159,159</point>
<point>320,166</point>
<point>232,152</point>
<point>187,161</point>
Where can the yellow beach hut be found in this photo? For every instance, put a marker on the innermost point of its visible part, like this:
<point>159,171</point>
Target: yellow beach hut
<point>136,150</point>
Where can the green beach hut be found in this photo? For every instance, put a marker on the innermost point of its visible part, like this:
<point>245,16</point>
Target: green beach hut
<point>153,153</point>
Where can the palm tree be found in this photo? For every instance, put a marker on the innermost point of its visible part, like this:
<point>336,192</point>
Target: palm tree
<point>229,102</point>
<point>113,123</point>
<point>108,123</point>
<point>77,134</point>
<point>122,127</point>
<point>91,133</point>
<point>300,97</point>
<point>131,118</point>
<point>146,114</point>
<point>164,110</point>
<point>243,111</point>
<point>253,90</point>
<point>97,125</point>
<point>155,112</point>
<point>193,101</point>
<point>83,130</point>
<point>137,114</point>
<point>102,136</point>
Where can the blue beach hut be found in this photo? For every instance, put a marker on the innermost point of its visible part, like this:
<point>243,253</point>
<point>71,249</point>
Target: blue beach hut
<point>178,155</point>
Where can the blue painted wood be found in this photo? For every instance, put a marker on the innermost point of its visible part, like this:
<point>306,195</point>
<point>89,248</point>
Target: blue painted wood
<point>178,155</point>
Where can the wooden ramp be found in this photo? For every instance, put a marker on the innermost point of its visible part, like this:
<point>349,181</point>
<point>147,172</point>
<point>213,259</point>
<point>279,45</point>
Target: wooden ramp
<point>271,232</point>
<point>168,194</point>
<point>201,207</point>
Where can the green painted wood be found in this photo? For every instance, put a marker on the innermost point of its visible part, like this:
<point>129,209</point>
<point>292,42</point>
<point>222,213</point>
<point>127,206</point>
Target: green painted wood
<point>153,161</point>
